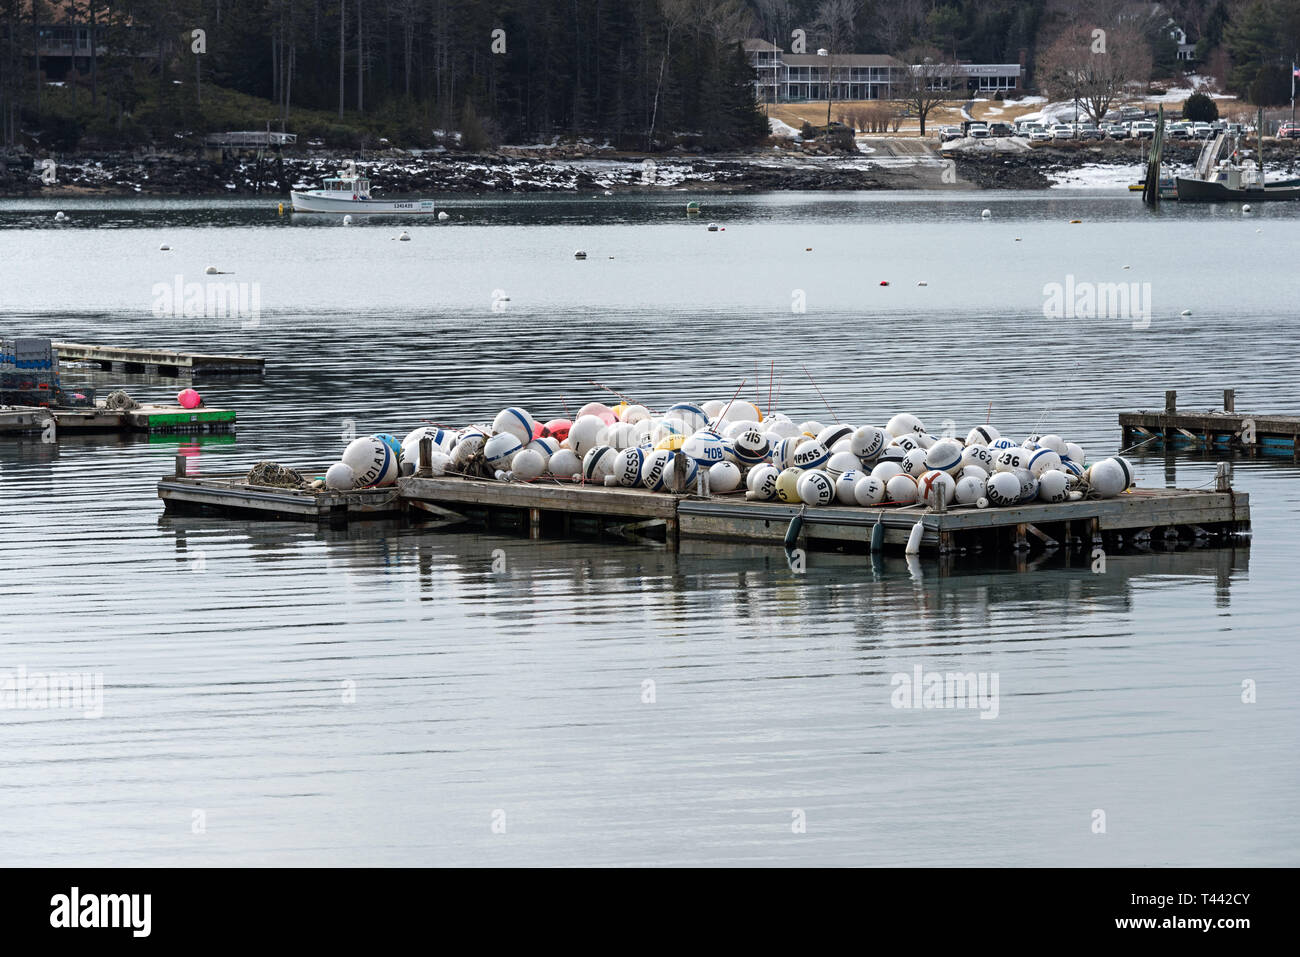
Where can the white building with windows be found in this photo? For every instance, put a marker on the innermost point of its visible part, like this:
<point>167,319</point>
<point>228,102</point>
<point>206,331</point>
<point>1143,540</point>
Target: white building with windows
<point>795,77</point>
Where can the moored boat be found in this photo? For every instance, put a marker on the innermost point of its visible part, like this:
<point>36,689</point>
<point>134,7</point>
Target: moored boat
<point>349,192</point>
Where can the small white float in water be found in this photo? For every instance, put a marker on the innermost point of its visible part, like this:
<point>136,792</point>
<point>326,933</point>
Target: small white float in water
<point>347,220</point>
<point>986,214</point>
<point>579,254</point>
<point>59,217</point>
<point>164,248</point>
<point>404,237</point>
<point>1245,207</point>
<point>213,271</point>
<point>443,217</point>
<point>712,227</point>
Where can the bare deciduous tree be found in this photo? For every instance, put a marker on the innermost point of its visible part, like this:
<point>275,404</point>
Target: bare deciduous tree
<point>1095,65</point>
<point>834,29</point>
<point>924,80</point>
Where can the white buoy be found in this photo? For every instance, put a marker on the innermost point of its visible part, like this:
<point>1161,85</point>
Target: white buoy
<point>579,254</point>
<point>609,192</point>
<point>212,271</point>
<point>712,227</point>
<point>442,216</point>
<point>1128,267</point>
<point>340,477</point>
<point>1186,312</point>
<point>815,487</point>
<point>59,217</point>
<point>347,220</point>
<point>987,214</point>
<point>923,283</point>
<point>404,237</point>
<point>499,450</point>
<point>1245,207</point>
<point>724,477</point>
<point>164,248</point>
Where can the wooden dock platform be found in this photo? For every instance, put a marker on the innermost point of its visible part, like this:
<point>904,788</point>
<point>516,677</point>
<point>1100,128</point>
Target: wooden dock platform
<point>1210,430</point>
<point>27,420</point>
<point>163,362</point>
<point>549,507</point>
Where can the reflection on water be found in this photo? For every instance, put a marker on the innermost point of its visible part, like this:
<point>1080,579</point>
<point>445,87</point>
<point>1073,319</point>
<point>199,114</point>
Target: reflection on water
<point>374,694</point>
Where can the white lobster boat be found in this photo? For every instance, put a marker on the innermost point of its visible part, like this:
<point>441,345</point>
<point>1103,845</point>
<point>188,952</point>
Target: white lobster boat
<point>349,192</point>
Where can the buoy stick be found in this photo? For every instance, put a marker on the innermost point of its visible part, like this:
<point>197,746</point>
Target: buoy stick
<point>988,415</point>
<point>770,373</point>
<point>564,403</point>
<point>614,391</point>
<point>819,392</point>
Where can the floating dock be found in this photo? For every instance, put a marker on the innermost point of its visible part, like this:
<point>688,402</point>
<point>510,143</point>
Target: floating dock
<point>1175,516</point>
<point>163,362</point>
<point>26,420</point>
<point>1224,430</point>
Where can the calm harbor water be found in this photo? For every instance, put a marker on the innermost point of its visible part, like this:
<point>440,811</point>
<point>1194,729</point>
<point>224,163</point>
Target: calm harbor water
<point>378,695</point>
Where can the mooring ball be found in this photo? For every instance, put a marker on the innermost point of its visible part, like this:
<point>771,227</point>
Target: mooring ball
<point>1003,488</point>
<point>372,461</point>
<point>340,477</point>
<point>528,464</point>
<point>977,455</point>
<point>564,463</point>
<point>585,434</point>
<point>1074,453</point>
<point>1042,460</point>
<point>665,470</point>
<point>969,488</point>
<point>815,487</point>
<point>867,441</point>
<point>781,429</point>
<point>761,482</point>
<point>1128,470</point>
<point>914,462</point>
<point>633,413</point>
<point>545,447</point>
<point>783,451</point>
<point>841,462</point>
<point>810,455</point>
<point>1008,460</point>
<point>869,490</point>
<point>810,428</point>
<point>724,477</point>
<point>594,408</point>
<point>1028,486</point>
<point>901,489</point>
<point>517,422</point>
<point>598,463</point>
<point>1055,443</point>
<point>189,399</point>
<point>499,450</point>
<point>787,486</point>
<point>1053,486</point>
<point>936,480</point>
<point>742,411</point>
<point>705,446</point>
<point>884,471</point>
<point>844,483</point>
<point>945,455</point>
<point>751,446</point>
<point>439,463</point>
<point>833,433</point>
<point>982,435</point>
<point>907,442</point>
<point>691,414</point>
<point>557,428</point>
<point>975,471</point>
<point>1106,478</point>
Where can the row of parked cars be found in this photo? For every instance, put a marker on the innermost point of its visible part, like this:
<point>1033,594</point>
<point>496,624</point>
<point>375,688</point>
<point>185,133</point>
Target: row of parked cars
<point>1116,128</point>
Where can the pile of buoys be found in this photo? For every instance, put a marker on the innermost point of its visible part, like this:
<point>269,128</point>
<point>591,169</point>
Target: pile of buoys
<point>769,456</point>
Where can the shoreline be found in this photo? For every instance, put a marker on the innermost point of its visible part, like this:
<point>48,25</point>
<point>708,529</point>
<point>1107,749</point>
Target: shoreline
<point>884,165</point>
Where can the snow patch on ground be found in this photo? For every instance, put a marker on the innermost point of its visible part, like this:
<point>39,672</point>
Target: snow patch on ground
<point>782,129</point>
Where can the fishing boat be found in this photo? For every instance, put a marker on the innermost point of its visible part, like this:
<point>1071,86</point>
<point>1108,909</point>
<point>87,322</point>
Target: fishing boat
<point>1234,177</point>
<point>349,192</point>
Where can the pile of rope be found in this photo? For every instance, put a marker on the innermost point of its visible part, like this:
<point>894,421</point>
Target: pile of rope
<point>119,401</point>
<point>276,476</point>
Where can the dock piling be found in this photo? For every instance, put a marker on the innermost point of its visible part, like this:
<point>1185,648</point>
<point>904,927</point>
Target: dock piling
<point>1223,477</point>
<point>1171,401</point>
<point>425,469</point>
<point>180,466</point>
<point>1229,400</point>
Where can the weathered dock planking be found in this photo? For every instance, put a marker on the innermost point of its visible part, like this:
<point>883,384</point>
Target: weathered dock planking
<point>163,362</point>
<point>232,494</point>
<point>29,420</point>
<point>1225,430</point>
<point>549,507</point>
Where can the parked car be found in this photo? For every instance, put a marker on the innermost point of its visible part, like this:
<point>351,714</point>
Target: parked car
<point>1132,113</point>
<point>1040,135</point>
<point>1114,131</point>
<point>947,133</point>
<point>1000,129</point>
<point>1062,131</point>
<point>1202,131</point>
<point>1289,131</point>
<point>977,131</point>
<point>1089,132</point>
<point>1142,129</point>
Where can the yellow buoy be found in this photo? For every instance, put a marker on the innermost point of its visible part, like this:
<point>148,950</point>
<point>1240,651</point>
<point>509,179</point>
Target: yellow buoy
<point>282,209</point>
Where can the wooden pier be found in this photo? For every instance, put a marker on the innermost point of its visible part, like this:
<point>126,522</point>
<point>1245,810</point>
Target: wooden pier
<point>163,362</point>
<point>545,508</point>
<point>29,420</point>
<point>1225,430</point>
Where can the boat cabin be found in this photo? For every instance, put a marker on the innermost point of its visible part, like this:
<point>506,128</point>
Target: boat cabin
<point>354,187</point>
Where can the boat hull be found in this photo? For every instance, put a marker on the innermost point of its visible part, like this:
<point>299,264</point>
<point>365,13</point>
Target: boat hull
<point>1199,191</point>
<point>311,203</point>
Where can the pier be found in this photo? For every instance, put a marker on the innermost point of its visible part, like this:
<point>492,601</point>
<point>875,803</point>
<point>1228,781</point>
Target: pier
<point>163,362</point>
<point>548,507</point>
<point>1225,429</point>
<point>39,420</point>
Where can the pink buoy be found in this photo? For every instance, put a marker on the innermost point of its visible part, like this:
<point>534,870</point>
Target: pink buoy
<point>593,408</point>
<point>609,418</point>
<point>558,428</point>
<point>189,399</point>
<point>539,430</point>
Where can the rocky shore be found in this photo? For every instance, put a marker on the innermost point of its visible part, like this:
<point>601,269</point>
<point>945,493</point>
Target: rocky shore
<point>524,170</point>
